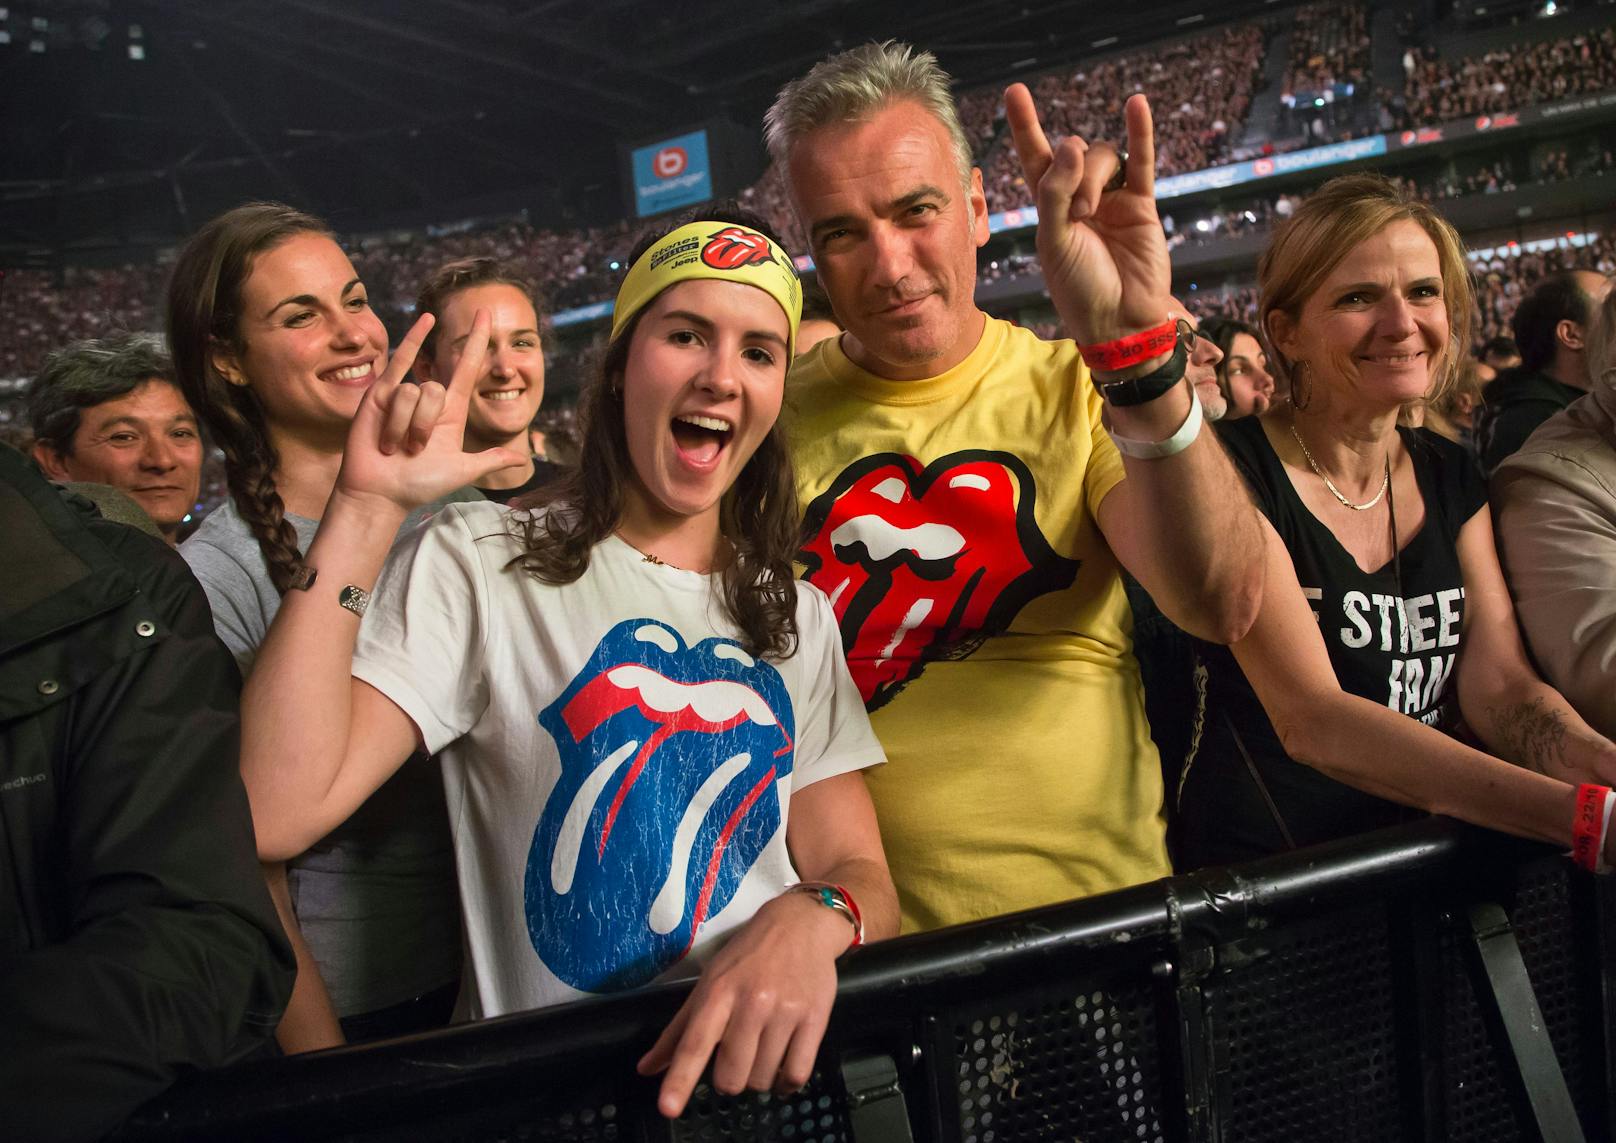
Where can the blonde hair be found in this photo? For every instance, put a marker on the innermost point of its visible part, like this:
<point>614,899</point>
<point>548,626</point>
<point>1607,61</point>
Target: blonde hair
<point>1342,214</point>
<point>1602,341</point>
<point>851,85</point>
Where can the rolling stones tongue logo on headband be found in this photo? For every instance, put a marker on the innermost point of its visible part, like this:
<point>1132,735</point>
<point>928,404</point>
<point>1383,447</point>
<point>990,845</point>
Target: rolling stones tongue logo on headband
<point>926,563</point>
<point>669,759</point>
<point>735,246</point>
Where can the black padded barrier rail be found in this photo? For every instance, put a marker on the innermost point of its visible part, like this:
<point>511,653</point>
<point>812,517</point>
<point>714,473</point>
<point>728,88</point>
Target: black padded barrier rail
<point>1425,983</point>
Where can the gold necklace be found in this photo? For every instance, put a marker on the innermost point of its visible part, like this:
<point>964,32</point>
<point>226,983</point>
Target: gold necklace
<point>1330,484</point>
<point>645,556</point>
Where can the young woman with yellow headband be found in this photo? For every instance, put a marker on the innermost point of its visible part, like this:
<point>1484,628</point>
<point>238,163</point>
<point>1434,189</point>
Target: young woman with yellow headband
<point>627,689</point>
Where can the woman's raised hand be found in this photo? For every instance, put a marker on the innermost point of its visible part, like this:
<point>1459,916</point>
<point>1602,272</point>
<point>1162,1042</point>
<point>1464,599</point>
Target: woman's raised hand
<point>1102,248</point>
<point>406,445</point>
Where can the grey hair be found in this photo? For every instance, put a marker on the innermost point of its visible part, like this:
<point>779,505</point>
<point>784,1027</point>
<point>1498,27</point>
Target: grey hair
<point>88,373</point>
<point>850,85</point>
<point>1602,341</point>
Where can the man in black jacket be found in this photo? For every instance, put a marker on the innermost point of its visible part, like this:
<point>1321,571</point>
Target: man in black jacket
<point>137,939</point>
<point>1551,327</point>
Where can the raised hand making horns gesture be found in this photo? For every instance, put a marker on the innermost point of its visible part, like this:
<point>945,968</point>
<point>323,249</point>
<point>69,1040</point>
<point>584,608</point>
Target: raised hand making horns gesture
<point>1102,250</point>
<point>407,440</point>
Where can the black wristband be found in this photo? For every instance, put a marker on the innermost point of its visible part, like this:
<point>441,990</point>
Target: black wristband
<point>1138,390</point>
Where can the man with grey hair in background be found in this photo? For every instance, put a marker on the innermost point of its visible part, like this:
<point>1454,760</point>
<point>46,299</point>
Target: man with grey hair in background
<point>108,411</point>
<point>971,493</point>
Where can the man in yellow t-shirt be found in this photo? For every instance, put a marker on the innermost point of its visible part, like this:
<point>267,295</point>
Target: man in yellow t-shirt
<point>965,508</point>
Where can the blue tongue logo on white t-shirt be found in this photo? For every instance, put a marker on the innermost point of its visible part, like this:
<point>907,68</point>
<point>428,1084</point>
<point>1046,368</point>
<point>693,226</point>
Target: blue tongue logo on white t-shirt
<point>667,796</point>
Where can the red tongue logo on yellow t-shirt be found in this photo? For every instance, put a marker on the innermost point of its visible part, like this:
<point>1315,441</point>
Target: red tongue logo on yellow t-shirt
<point>925,562</point>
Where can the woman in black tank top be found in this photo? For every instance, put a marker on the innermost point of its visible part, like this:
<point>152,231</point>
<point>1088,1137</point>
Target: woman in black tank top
<point>1386,619</point>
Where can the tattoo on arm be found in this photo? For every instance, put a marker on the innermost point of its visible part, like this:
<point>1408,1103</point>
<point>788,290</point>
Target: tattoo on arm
<point>1536,736</point>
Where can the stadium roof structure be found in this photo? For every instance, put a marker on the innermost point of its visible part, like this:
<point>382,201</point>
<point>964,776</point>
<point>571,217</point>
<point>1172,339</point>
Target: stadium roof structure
<point>128,122</point>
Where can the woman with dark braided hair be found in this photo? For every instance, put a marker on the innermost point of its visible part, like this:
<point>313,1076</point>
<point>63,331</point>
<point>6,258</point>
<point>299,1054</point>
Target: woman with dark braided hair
<point>275,345</point>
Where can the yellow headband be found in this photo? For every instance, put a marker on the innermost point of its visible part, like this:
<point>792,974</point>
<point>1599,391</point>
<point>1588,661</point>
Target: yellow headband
<point>723,251</point>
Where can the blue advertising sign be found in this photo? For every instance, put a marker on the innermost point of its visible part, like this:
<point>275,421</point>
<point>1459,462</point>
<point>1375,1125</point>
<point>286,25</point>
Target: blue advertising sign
<point>671,174</point>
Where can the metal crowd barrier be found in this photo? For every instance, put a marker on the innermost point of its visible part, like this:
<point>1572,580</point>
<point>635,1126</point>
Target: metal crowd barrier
<point>1430,982</point>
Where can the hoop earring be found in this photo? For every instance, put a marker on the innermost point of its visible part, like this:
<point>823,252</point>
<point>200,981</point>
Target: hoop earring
<point>1301,385</point>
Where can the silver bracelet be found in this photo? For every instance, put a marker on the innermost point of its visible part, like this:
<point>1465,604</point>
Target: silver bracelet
<point>355,599</point>
<point>1178,442</point>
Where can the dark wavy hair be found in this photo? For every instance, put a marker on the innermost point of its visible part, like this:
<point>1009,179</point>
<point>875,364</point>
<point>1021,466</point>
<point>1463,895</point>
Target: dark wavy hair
<point>203,312</point>
<point>759,514</point>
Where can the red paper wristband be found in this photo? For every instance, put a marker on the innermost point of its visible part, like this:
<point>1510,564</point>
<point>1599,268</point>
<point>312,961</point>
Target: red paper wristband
<point>1588,826</point>
<point>1126,352</point>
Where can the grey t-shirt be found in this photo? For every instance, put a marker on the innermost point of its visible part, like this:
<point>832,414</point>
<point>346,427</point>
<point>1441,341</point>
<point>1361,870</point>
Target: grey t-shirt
<point>376,898</point>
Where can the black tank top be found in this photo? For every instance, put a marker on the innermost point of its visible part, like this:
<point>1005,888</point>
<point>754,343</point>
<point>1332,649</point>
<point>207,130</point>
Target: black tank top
<point>1393,637</point>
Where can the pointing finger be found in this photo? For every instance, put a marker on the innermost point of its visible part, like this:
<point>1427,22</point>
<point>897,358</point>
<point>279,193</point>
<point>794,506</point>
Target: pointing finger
<point>404,356</point>
<point>701,1035</point>
<point>1141,146</point>
<point>472,357</point>
<point>1027,133</point>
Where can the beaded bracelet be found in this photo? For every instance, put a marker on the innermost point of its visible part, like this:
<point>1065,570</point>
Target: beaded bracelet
<point>837,898</point>
<point>1590,825</point>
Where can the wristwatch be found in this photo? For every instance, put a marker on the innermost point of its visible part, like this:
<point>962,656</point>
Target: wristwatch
<point>1138,390</point>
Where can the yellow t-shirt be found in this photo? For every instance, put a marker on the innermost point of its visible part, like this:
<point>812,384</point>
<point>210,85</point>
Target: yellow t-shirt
<point>952,523</point>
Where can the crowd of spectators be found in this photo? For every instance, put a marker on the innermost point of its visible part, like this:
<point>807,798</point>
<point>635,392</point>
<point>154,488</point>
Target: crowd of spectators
<point>1329,50</point>
<point>42,311</point>
<point>981,114</point>
<point>574,268</point>
<point>1200,91</point>
<point>767,199</point>
<point>1505,79</point>
<point>570,267</point>
<point>1201,88</point>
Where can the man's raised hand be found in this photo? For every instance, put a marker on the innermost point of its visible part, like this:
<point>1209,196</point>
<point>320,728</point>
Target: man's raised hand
<point>1103,252</point>
<point>406,445</point>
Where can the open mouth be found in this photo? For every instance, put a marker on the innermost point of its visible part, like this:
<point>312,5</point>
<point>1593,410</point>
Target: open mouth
<point>503,394</point>
<point>700,439</point>
<point>1393,359</point>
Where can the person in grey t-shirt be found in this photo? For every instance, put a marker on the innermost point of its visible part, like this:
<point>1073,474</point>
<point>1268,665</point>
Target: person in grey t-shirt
<point>275,343</point>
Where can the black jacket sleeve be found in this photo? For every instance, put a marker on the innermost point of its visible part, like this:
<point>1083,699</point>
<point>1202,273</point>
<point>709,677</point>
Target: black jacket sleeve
<point>1506,430</point>
<point>165,953</point>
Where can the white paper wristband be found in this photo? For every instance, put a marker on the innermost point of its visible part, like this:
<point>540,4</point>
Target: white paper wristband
<point>1178,442</point>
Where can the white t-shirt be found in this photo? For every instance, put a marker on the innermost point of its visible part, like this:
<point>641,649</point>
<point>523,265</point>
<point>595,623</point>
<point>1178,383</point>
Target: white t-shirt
<point>618,768</point>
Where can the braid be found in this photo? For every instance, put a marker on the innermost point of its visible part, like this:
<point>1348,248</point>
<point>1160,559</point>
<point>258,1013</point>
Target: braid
<point>250,463</point>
